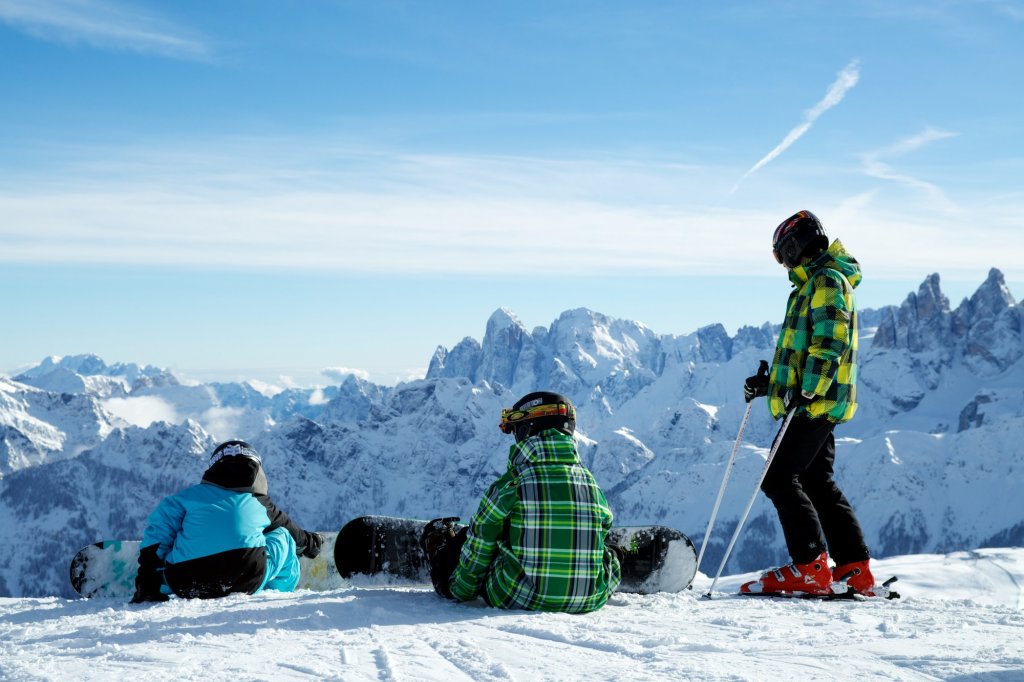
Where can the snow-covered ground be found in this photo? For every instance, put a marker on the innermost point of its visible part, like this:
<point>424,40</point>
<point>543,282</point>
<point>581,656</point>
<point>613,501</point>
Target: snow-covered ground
<point>961,618</point>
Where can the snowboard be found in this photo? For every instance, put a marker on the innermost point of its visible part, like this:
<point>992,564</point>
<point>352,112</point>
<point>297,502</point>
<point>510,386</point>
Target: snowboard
<point>108,569</point>
<point>655,558</point>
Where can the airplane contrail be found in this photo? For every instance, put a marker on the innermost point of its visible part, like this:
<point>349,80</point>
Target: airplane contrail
<point>846,79</point>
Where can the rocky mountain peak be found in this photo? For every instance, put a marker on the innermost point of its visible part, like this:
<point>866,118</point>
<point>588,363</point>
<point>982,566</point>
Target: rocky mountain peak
<point>989,301</point>
<point>989,326</point>
<point>920,324</point>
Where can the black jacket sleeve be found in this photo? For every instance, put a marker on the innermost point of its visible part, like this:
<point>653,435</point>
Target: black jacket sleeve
<point>279,519</point>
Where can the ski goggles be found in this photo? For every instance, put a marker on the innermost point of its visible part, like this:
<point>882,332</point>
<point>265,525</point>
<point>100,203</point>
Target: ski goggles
<point>509,416</point>
<point>235,448</point>
<point>782,233</point>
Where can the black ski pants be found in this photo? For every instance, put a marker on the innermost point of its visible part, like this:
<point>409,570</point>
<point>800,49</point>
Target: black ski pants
<point>813,511</point>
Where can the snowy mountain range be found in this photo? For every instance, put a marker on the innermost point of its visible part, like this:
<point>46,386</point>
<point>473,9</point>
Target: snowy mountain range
<point>932,462</point>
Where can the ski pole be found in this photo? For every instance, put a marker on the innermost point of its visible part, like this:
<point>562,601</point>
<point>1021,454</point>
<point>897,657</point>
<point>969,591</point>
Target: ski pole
<point>762,370</point>
<point>757,488</point>
<point>721,489</point>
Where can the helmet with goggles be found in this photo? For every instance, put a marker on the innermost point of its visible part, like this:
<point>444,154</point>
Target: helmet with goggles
<point>536,412</point>
<point>799,236</point>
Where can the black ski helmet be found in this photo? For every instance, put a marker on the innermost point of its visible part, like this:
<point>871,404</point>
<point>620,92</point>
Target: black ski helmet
<point>235,465</point>
<point>798,236</point>
<point>537,411</point>
<point>235,448</point>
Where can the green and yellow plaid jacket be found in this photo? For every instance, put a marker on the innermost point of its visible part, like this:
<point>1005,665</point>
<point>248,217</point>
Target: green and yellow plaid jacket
<point>537,540</point>
<point>817,348</point>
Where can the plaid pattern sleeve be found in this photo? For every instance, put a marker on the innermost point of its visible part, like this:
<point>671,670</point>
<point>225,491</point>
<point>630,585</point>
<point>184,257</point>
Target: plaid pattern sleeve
<point>485,531</point>
<point>537,541</point>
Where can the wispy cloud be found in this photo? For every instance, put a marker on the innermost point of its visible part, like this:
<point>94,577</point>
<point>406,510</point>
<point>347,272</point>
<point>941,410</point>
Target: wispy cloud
<point>846,79</point>
<point>142,411</point>
<point>223,422</point>
<point>312,204</point>
<point>102,24</point>
<point>267,389</point>
<point>340,374</point>
<point>319,204</point>
<point>875,166</point>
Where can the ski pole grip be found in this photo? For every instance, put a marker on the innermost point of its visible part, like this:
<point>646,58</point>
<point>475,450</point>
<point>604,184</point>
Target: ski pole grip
<point>762,370</point>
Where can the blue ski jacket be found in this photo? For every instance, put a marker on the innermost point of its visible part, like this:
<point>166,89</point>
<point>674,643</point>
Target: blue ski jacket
<point>208,539</point>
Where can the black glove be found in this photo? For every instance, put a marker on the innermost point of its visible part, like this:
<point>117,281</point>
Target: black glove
<point>149,579</point>
<point>436,535</point>
<point>139,597</point>
<point>314,541</point>
<point>799,399</point>
<point>757,385</point>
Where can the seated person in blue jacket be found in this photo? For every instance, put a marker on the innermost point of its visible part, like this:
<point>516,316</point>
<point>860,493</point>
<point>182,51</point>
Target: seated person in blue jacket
<point>221,536</point>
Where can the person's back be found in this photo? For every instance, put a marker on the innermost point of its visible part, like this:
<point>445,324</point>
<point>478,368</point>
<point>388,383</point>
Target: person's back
<point>550,519</point>
<point>222,535</point>
<point>537,540</point>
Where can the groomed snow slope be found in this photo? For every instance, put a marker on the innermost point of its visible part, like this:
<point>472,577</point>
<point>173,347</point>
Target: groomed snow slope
<point>961,618</point>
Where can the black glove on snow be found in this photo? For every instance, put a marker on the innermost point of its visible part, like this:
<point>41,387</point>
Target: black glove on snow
<point>314,541</point>
<point>140,598</point>
<point>149,579</point>
<point>757,385</point>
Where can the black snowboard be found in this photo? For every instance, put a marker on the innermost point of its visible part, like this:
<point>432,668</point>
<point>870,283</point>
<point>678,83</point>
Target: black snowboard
<point>656,558</point>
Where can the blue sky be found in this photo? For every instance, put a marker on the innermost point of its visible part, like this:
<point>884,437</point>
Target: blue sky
<point>239,189</point>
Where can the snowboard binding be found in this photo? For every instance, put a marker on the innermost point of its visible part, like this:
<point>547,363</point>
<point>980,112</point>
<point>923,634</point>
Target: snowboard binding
<point>436,535</point>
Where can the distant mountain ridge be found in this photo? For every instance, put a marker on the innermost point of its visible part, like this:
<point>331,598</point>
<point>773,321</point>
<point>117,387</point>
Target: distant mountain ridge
<point>86,448</point>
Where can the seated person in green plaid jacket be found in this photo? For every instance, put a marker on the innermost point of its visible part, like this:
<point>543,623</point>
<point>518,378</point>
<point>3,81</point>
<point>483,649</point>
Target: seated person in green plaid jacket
<point>537,541</point>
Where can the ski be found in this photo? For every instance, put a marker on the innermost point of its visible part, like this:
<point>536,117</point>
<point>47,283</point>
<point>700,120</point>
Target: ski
<point>840,592</point>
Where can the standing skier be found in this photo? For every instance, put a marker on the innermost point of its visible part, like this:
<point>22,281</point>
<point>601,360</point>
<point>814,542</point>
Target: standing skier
<point>814,371</point>
<point>221,536</point>
<point>538,538</point>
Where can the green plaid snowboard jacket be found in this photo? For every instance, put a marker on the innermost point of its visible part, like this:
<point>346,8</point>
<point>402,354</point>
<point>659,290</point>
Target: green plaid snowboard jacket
<point>817,347</point>
<point>537,540</point>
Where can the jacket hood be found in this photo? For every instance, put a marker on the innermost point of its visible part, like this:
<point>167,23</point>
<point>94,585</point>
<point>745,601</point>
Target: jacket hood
<point>550,446</point>
<point>835,257</point>
<point>242,474</point>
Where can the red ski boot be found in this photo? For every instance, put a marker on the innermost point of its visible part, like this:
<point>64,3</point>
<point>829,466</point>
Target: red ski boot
<point>858,576</point>
<point>814,577</point>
